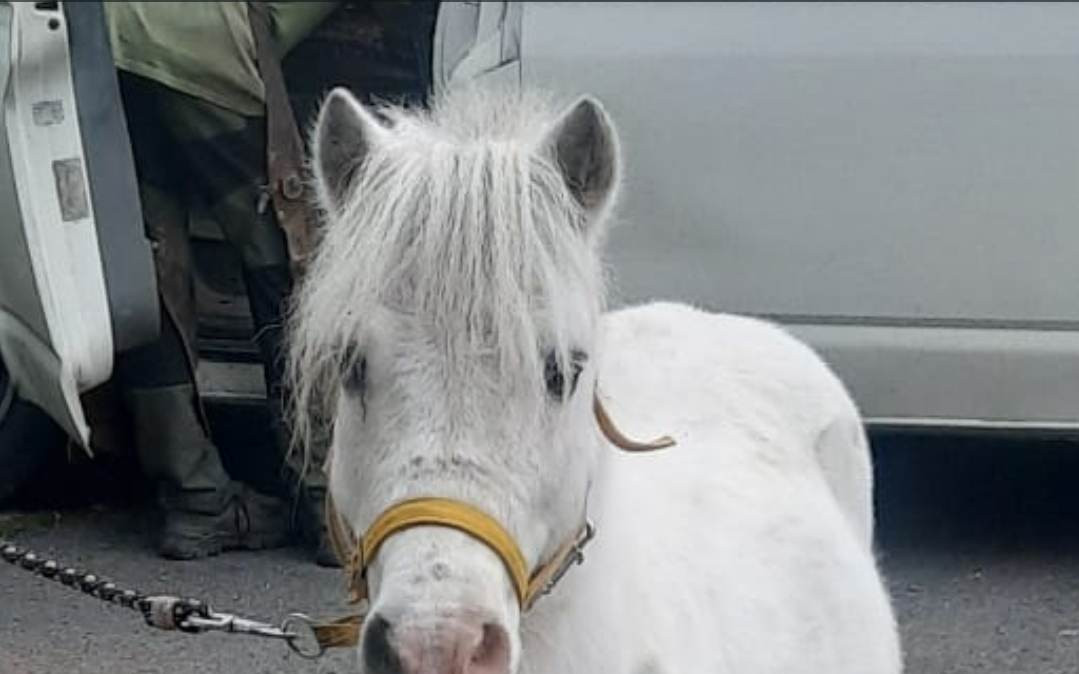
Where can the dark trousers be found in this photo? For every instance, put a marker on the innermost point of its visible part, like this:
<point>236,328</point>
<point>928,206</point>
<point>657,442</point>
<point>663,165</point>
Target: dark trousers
<point>185,149</point>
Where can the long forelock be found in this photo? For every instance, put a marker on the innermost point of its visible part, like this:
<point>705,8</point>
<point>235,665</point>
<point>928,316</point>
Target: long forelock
<point>459,222</point>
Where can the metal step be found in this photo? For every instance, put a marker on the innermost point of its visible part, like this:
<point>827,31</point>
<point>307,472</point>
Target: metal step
<point>230,382</point>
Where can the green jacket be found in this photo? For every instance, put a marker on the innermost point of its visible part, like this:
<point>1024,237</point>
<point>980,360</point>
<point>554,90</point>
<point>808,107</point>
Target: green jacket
<point>204,49</point>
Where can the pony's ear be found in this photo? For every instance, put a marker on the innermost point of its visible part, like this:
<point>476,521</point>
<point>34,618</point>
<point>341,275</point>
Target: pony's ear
<point>585,146</point>
<point>345,134</point>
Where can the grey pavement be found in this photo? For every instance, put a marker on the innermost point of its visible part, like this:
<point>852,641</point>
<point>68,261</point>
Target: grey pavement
<point>46,627</point>
<point>977,540</point>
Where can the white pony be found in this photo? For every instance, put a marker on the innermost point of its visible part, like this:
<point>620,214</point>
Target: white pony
<point>451,327</point>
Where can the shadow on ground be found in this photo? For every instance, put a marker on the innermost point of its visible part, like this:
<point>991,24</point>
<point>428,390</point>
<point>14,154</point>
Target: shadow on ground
<point>977,537</point>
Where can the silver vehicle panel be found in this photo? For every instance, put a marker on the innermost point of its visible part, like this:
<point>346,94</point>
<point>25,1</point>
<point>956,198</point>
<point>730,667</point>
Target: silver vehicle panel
<point>894,181</point>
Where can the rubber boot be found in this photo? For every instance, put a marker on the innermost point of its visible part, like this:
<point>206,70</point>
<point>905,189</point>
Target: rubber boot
<point>310,504</point>
<point>310,479</point>
<point>311,512</point>
<point>205,511</point>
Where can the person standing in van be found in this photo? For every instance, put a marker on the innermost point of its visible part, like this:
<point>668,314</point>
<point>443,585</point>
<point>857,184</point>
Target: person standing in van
<point>196,90</point>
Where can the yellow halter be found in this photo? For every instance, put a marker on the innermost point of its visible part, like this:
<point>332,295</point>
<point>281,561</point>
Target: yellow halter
<point>357,554</point>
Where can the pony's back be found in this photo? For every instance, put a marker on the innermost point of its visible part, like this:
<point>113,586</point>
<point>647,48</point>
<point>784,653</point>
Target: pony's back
<point>739,522</point>
<point>753,376</point>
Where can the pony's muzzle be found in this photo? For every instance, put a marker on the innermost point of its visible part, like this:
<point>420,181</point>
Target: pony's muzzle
<point>454,644</point>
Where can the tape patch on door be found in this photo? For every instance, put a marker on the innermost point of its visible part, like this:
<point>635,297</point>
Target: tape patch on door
<point>71,189</point>
<point>48,113</point>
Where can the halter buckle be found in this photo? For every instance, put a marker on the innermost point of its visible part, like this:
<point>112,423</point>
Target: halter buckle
<point>573,558</point>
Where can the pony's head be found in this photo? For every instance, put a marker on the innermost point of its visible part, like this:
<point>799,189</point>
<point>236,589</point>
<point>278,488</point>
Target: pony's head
<point>446,330</point>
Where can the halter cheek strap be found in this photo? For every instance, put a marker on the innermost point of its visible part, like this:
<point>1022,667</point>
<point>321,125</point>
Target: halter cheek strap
<point>433,511</point>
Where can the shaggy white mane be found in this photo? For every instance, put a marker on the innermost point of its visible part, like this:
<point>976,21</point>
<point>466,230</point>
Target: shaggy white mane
<point>458,221</point>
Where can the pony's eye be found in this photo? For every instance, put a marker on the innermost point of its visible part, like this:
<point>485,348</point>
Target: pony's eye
<point>555,378</point>
<point>355,381</point>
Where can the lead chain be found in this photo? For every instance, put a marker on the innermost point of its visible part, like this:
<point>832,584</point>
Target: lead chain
<point>162,612</point>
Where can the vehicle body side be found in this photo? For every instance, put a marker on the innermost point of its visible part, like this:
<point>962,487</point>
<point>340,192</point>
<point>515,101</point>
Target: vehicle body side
<point>894,182</point>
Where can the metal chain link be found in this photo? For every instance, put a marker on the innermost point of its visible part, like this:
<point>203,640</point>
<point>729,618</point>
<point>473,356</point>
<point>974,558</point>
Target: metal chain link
<point>164,612</point>
<point>106,590</point>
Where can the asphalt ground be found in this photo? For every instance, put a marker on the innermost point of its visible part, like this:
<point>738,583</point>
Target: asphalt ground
<point>976,537</point>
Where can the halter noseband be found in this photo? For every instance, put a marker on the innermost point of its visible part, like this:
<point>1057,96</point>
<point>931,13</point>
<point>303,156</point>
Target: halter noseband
<point>357,554</point>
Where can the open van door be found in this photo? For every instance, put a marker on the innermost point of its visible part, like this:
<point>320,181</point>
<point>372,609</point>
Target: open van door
<point>76,273</point>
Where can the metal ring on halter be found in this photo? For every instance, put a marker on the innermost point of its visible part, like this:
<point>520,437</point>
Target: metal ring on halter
<point>304,641</point>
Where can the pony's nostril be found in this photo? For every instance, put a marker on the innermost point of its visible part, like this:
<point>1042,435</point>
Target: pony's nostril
<point>458,645</point>
<point>492,655</point>
<point>379,654</point>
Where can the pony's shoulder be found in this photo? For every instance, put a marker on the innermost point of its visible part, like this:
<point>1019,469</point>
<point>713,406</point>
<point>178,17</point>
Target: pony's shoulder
<point>682,350</point>
<point>677,320</point>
